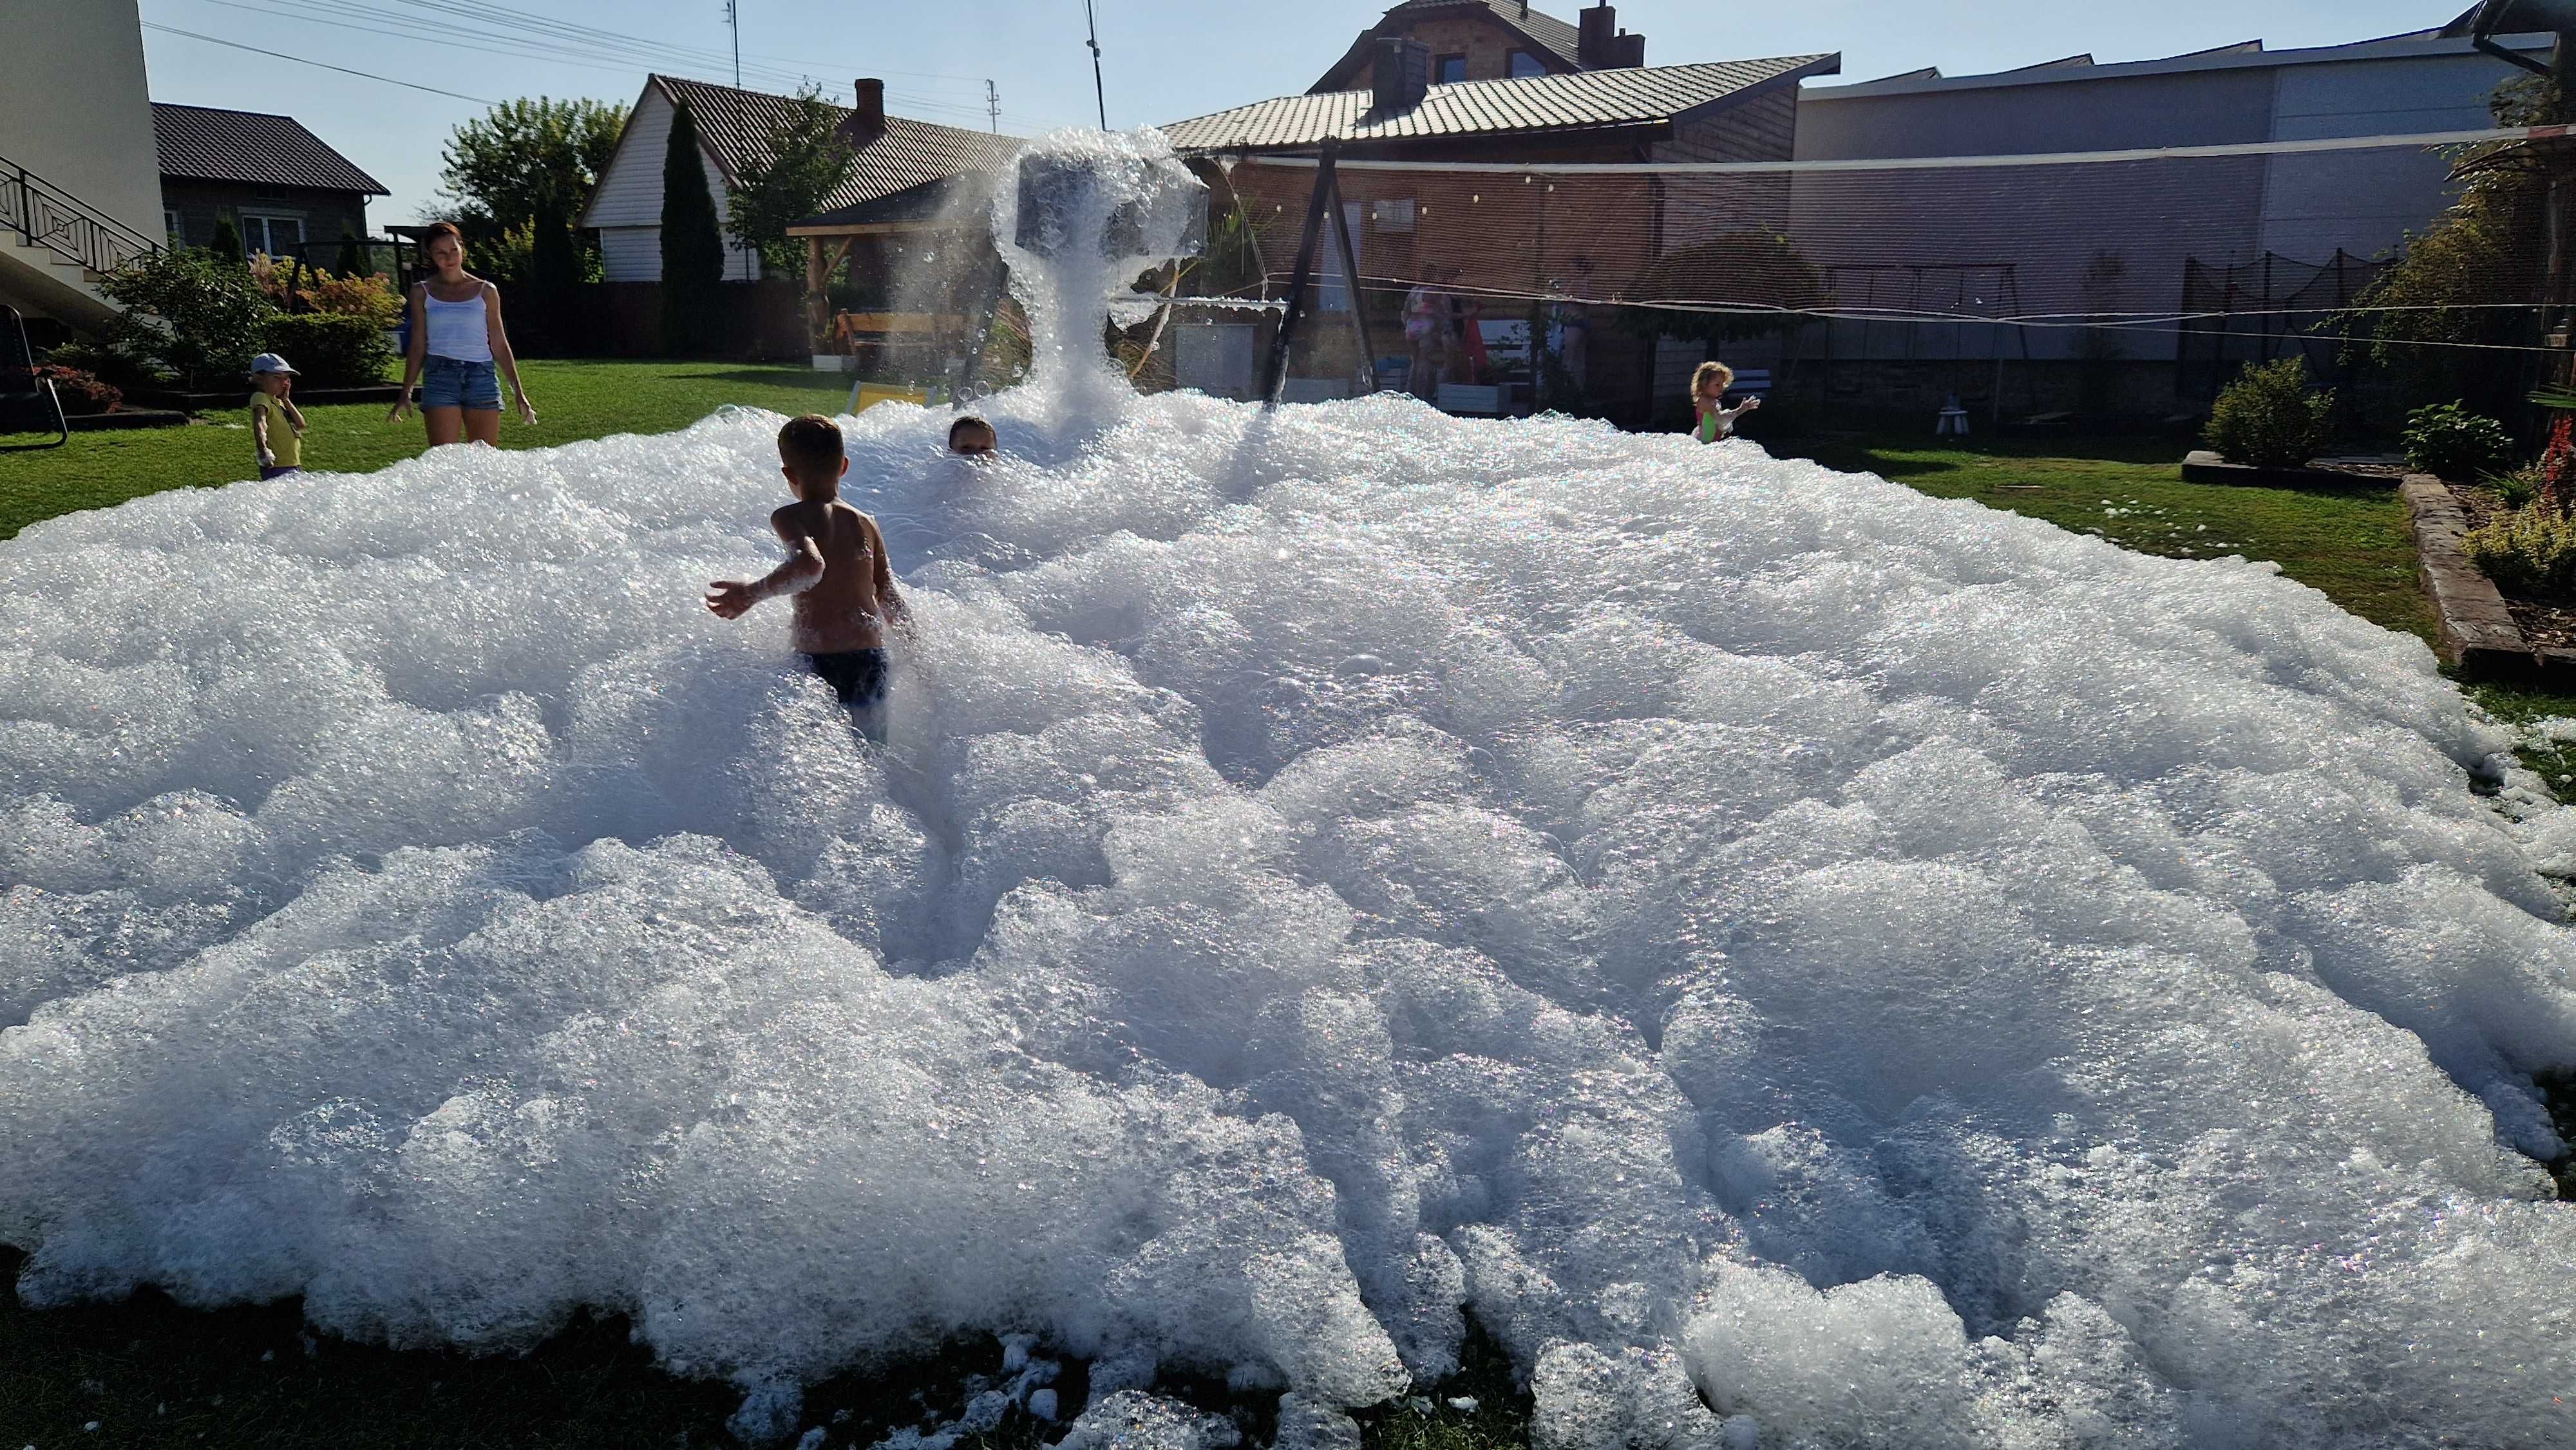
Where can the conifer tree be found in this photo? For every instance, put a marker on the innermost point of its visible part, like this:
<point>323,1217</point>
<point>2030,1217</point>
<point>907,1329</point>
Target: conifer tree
<point>692,247</point>
<point>226,244</point>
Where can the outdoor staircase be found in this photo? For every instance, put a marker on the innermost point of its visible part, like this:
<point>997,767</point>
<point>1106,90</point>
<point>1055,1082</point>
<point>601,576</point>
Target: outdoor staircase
<point>54,248</point>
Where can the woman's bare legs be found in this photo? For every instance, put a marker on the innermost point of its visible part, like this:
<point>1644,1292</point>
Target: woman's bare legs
<point>483,425</point>
<point>447,425</point>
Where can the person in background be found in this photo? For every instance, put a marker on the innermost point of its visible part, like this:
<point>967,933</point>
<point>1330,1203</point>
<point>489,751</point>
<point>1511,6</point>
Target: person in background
<point>1708,396</point>
<point>276,425</point>
<point>457,341</point>
<point>1426,327</point>
<point>973,437</point>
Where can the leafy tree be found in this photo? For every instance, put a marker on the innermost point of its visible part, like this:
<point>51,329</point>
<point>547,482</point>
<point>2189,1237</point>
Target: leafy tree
<point>355,260</point>
<point>808,158</point>
<point>2432,316</point>
<point>692,251</point>
<point>525,157</point>
<point>226,244</point>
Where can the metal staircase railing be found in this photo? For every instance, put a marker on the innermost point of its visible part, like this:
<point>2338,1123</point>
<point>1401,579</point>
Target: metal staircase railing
<point>44,215</point>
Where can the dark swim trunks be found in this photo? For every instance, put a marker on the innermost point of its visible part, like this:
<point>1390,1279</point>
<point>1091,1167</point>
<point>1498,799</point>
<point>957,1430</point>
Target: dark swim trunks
<point>858,676</point>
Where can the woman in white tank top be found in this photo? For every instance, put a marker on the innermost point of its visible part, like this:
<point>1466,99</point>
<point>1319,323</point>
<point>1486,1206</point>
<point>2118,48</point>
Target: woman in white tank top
<point>458,348</point>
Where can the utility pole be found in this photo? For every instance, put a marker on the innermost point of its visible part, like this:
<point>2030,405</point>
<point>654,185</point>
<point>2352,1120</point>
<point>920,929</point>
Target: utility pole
<point>1099,88</point>
<point>733,17</point>
<point>993,105</point>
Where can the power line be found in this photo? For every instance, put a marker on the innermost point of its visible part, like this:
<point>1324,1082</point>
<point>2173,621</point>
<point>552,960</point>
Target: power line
<point>609,52</point>
<point>319,65</point>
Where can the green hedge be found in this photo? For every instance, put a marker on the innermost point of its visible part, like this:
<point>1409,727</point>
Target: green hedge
<point>2270,418</point>
<point>331,350</point>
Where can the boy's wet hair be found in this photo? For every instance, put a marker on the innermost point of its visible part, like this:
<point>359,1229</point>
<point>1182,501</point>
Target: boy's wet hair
<point>811,446</point>
<point>975,421</point>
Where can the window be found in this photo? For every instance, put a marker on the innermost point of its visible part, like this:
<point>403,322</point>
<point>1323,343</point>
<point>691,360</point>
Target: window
<point>277,236</point>
<point>1526,65</point>
<point>170,224</point>
<point>1450,70</point>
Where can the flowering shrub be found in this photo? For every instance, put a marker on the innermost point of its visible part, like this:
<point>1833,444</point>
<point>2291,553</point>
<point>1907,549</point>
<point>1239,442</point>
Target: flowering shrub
<point>82,394</point>
<point>2557,467</point>
<point>372,298</point>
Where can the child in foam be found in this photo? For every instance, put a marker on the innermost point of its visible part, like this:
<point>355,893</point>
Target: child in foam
<point>457,342</point>
<point>276,425</point>
<point>843,585</point>
<point>1708,396</point>
<point>973,437</point>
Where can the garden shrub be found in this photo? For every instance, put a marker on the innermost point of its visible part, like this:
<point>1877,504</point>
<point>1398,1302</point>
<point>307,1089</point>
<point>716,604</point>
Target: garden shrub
<point>117,364</point>
<point>2517,488</point>
<point>368,296</point>
<point>2448,441</point>
<point>191,315</point>
<point>82,394</point>
<point>2270,418</point>
<point>330,349</point>
<point>2530,552</point>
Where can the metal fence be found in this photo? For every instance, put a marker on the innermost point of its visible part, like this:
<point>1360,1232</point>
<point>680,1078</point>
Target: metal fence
<point>44,215</point>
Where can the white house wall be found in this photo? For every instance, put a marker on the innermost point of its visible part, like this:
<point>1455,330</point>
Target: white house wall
<point>627,206</point>
<point>76,106</point>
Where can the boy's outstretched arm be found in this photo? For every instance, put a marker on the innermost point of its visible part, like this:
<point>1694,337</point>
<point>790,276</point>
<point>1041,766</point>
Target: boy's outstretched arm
<point>732,599</point>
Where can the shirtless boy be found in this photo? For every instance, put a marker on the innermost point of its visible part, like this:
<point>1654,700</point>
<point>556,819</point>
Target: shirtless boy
<point>844,589</point>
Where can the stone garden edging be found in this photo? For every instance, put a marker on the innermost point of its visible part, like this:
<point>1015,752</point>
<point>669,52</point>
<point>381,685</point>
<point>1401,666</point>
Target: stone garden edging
<point>2478,632</point>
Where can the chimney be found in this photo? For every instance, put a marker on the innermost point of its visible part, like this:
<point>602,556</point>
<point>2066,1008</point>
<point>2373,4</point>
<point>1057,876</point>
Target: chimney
<point>867,123</point>
<point>1598,37</point>
<point>1401,75</point>
<point>1629,52</point>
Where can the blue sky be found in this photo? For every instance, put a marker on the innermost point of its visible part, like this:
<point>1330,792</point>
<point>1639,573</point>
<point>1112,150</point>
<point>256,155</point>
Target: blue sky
<point>1166,60</point>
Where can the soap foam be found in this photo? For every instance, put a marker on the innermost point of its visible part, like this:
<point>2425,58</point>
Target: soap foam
<point>1789,956</point>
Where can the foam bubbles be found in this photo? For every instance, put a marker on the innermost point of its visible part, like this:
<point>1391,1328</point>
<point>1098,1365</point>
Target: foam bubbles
<point>1799,962</point>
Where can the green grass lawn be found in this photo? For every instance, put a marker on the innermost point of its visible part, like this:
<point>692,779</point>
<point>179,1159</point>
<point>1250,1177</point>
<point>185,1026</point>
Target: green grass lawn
<point>575,400</point>
<point>2350,545</point>
<point>151,1374</point>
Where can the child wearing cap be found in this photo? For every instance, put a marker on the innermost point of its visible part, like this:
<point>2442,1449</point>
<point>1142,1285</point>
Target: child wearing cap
<point>274,422</point>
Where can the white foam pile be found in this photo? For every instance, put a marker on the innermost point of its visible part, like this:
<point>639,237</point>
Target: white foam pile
<point>1801,962</point>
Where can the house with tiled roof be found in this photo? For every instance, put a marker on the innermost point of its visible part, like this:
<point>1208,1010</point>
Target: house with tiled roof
<point>280,185</point>
<point>891,155</point>
<point>1489,40</point>
<point>1487,82</point>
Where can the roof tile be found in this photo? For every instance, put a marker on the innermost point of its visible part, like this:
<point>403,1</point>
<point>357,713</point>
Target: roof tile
<point>200,143</point>
<point>1589,100</point>
<point>736,126</point>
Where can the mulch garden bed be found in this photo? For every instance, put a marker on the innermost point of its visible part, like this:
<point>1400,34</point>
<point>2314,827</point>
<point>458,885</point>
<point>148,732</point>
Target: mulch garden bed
<point>2545,624</point>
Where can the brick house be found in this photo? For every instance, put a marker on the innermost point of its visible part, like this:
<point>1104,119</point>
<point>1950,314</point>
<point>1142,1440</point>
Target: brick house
<point>276,182</point>
<point>1489,40</point>
<point>1590,100</point>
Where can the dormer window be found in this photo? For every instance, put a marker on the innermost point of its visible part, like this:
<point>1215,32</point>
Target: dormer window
<point>1449,70</point>
<point>1526,65</point>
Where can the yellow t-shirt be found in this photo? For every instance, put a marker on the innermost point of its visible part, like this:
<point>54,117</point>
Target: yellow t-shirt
<point>282,442</point>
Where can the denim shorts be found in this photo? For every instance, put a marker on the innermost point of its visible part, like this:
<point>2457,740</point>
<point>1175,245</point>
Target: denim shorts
<point>454,383</point>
